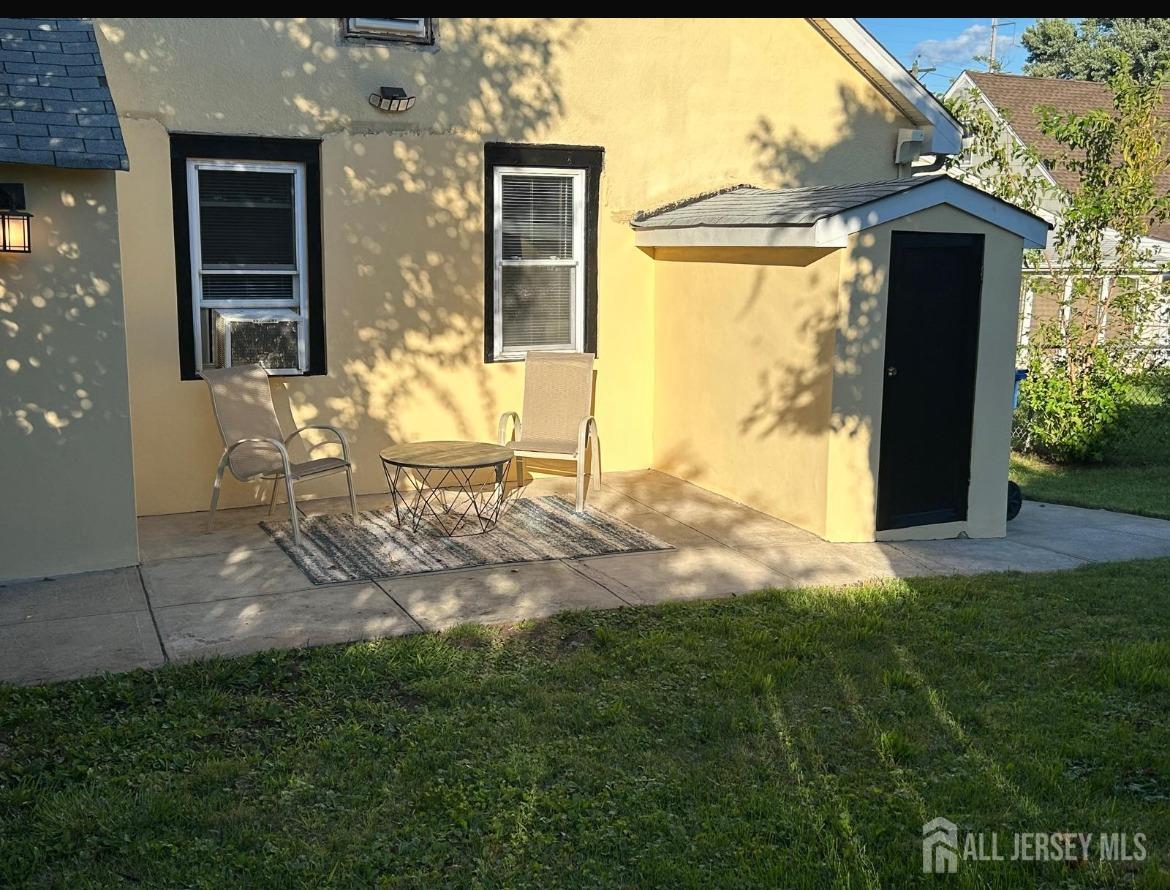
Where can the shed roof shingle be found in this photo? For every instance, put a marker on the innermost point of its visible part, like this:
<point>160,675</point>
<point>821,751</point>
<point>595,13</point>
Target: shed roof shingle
<point>746,205</point>
<point>55,105</point>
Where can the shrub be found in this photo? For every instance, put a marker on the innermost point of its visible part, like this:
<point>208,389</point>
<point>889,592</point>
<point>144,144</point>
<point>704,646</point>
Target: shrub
<point>1068,417</point>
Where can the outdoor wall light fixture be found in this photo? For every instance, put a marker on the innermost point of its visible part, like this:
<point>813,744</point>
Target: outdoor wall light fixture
<point>14,220</point>
<point>392,99</point>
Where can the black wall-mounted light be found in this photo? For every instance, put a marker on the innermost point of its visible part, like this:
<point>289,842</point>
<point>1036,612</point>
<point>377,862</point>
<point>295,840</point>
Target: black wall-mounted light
<point>392,99</point>
<point>15,235</point>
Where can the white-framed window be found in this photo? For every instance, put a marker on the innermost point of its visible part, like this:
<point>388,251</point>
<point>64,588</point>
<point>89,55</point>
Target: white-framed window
<point>539,260</point>
<point>392,30</point>
<point>249,283</point>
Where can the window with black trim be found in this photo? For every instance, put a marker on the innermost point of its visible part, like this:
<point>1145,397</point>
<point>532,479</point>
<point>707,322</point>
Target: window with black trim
<point>420,31</point>
<point>540,246</point>
<point>248,253</point>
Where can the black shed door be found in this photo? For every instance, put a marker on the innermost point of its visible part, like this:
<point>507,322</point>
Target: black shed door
<point>932,341</point>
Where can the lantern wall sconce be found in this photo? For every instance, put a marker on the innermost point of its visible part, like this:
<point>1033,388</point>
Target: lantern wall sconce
<point>392,99</point>
<point>14,220</point>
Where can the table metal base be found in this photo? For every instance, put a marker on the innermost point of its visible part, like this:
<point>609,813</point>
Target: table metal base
<point>452,499</point>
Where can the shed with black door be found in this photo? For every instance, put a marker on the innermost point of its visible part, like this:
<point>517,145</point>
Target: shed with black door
<point>841,357</point>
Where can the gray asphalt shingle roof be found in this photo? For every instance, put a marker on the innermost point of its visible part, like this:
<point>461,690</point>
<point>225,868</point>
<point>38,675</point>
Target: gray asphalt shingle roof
<point>746,205</point>
<point>55,105</point>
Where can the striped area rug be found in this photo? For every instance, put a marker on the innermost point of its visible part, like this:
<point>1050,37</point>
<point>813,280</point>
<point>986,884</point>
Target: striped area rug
<point>335,549</point>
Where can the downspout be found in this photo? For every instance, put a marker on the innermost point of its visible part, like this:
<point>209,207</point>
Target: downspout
<point>940,161</point>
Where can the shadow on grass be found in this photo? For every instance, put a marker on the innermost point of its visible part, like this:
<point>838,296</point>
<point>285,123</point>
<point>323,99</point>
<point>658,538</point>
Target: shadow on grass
<point>796,738</point>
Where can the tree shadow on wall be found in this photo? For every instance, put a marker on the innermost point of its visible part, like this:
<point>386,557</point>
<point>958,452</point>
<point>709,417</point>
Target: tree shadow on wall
<point>402,199</point>
<point>792,393</point>
<point>424,342</point>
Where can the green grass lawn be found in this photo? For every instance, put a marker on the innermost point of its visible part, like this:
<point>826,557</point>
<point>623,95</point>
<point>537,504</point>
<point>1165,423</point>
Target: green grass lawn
<point>778,739</point>
<point>1144,490</point>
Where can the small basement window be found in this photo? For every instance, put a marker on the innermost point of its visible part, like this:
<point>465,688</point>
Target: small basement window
<point>249,290</point>
<point>542,249</point>
<point>390,30</point>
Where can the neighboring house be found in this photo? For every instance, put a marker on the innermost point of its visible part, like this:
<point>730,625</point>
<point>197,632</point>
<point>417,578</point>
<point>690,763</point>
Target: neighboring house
<point>395,266</point>
<point>1016,100</point>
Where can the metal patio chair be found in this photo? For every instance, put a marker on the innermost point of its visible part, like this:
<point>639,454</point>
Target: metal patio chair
<point>556,422</point>
<point>255,446</point>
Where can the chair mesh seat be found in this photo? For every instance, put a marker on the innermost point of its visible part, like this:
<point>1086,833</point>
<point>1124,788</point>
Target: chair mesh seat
<point>545,445</point>
<point>316,467</point>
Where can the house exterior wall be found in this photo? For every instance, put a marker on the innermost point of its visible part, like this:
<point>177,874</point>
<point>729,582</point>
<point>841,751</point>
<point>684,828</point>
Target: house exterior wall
<point>65,448</point>
<point>855,437</point>
<point>680,106</point>
<point>743,374</point>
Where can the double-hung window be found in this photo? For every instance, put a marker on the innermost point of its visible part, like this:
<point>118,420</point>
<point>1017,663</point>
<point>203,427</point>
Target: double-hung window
<point>542,248</point>
<point>249,289</point>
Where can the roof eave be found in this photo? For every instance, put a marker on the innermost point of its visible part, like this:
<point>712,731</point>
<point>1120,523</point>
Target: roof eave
<point>894,82</point>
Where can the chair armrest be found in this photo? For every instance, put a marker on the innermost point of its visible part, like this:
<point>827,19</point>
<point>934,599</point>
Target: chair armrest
<point>517,426</point>
<point>256,440</point>
<point>583,434</point>
<point>321,426</point>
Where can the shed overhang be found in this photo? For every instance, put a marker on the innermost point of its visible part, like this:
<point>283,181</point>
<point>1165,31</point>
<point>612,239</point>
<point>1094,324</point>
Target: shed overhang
<point>828,225</point>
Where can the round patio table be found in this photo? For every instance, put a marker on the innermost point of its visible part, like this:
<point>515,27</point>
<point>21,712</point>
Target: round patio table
<point>455,486</point>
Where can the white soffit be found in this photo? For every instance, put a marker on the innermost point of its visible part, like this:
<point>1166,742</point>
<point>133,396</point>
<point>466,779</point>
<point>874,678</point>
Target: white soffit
<point>894,82</point>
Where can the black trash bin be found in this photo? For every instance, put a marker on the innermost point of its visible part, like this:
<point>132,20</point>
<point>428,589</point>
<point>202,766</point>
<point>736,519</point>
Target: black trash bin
<point>1015,499</point>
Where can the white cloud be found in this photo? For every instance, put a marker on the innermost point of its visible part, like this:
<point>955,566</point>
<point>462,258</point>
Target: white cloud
<point>959,50</point>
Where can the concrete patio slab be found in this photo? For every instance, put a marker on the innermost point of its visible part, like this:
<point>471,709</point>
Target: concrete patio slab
<point>315,617</point>
<point>234,592</point>
<point>176,535</point>
<point>1094,543</point>
<point>67,648</point>
<point>671,531</point>
<point>689,574</point>
<point>1039,517</point>
<point>237,573</point>
<point>969,557</point>
<point>172,537</point>
<point>817,564</point>
<point>497,595</point>
<point>713,515</point>
<point>73,596</point>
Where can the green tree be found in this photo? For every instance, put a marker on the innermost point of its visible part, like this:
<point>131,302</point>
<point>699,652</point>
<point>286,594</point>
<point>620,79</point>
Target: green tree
<point>1079,361</point>
<point>1097,49</point>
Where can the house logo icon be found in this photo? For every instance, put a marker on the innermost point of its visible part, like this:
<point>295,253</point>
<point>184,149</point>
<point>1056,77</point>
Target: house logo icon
<point>940,847</point>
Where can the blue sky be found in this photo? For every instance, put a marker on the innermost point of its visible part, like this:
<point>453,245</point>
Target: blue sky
<point>949,44</point>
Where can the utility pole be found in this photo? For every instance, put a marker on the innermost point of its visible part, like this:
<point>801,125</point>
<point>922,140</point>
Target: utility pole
<point>916,70</point>
<point>994,34</point>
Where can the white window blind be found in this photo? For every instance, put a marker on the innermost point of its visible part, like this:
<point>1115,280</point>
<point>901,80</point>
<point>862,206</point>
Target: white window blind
<point>248,248</point>
<point>539,221</point>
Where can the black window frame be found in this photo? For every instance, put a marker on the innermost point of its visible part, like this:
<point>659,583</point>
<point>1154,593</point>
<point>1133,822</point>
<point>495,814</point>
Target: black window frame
<point>248,148</point>
<point>351,35</point>
<point>591,159</point>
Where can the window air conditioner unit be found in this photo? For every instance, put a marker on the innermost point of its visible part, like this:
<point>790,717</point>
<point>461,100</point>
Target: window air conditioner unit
<point>268,337</point>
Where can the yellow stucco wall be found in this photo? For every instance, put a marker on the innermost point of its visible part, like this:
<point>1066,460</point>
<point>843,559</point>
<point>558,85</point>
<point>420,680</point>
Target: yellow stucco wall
<point>65,459</point>
<point>743,374</point>
<point>680,106</point>
<point>770,367</point>
<point>858,380</point>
